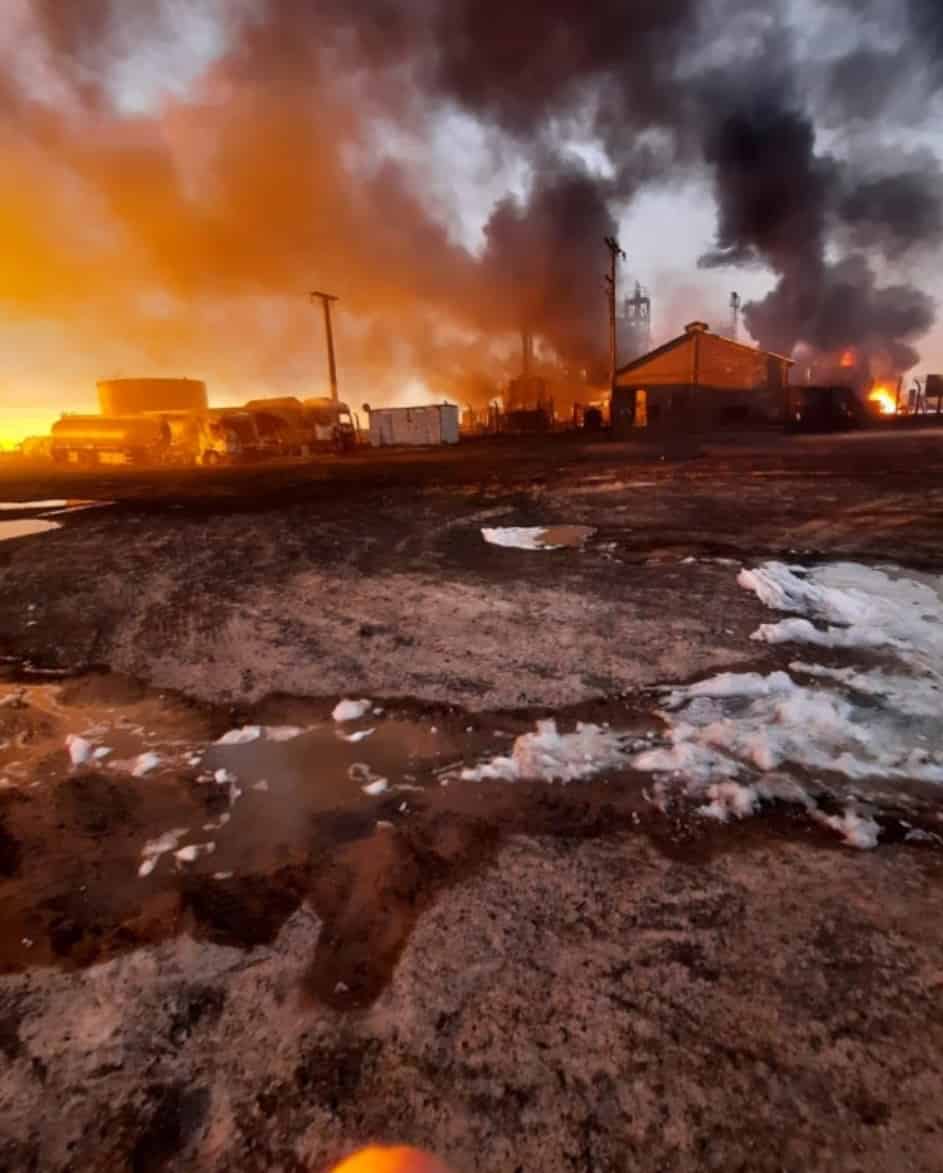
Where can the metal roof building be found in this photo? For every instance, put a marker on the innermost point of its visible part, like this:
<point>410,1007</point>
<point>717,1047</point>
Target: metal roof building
<point>700,380</point>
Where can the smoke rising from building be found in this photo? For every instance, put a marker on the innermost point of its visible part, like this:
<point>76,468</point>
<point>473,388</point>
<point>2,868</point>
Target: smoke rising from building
<point>178,193</point>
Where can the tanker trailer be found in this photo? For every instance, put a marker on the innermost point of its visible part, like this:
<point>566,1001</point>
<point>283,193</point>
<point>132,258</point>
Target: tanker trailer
<point>96,439</point>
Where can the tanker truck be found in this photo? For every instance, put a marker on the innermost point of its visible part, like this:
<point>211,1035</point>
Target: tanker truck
<point>97,439</point>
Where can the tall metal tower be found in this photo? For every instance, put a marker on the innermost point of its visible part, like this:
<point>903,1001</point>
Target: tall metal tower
<point>638,320</point>
<point>735,303</point>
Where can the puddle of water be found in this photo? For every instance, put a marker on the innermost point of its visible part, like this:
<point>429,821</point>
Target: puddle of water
<point>226,837</point>
<point>25,528</point>
<point>279,787</point>
<point>557,536</point>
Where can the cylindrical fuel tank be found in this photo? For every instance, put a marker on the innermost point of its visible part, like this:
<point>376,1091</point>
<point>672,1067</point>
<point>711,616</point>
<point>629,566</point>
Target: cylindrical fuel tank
<point>119,397</point>
<point>98,431</point>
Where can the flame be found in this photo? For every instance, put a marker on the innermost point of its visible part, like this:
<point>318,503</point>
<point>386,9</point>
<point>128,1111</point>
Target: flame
<point>847,359</point>
<point>884,399</point>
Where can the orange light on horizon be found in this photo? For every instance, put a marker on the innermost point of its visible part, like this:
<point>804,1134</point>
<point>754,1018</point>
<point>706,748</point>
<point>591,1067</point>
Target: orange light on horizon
<point>16,423</point>
<point>884,399</point>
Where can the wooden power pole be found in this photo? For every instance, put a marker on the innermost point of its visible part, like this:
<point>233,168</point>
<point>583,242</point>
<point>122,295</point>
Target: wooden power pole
<point>326,299</point>
<point>614,253</point>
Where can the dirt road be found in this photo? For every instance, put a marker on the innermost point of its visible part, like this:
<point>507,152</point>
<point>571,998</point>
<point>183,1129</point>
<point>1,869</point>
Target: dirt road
<point>514,974</point>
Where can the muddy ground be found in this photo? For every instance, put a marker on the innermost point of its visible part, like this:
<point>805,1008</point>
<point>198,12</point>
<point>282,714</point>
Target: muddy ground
<point>528,976</point>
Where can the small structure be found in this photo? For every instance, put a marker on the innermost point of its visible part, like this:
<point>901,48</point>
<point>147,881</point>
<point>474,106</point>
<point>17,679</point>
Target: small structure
<point>414,426</point>
<point>700,380</point>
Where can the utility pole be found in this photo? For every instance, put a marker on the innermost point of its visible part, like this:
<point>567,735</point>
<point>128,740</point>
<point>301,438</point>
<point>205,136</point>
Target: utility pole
<point>614,253</point>
<point>735,304</point>
<point>326,299</point>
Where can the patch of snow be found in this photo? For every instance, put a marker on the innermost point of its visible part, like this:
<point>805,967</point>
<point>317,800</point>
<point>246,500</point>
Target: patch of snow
<point>919,836</point>
<point>551,756</point>
<point>282,732</point>
<point>223,777</point>
<point>241,736</point>
<point>102,752</point>
<point>155,848</point>
<point>347,710</point>
<point>261,785</point>
<point>193,852</point>
<point>144,763</point>
<point>862,723</point>
<point>360,735</point>
<point>79,749</point>
<point>730,798</point>
<point>856,830</point>
<point>861,606</point>
<point>520,537</point>
<point>375,788</point>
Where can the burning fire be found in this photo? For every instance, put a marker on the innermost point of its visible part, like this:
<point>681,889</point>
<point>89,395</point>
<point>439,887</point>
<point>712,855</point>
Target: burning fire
<point>884,399</point>
<point>847,359</point>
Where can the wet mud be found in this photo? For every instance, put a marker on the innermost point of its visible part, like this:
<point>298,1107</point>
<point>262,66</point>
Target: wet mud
<point>365,822</point>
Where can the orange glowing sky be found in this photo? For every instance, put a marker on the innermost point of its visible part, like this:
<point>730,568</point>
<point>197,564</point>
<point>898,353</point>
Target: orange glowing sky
<point>176,229</point>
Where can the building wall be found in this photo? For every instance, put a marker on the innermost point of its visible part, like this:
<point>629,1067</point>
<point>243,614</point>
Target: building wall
<point>674,367</point>
<point>703,382</point>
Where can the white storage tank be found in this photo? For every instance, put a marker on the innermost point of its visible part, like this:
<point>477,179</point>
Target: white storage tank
<point>436,423</point>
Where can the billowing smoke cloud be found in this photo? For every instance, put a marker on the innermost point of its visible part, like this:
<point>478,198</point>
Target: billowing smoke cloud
<point>782,202</point>
<point>178,193</point>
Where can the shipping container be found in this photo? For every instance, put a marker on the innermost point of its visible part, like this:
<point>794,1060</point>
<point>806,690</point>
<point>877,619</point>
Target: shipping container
<point>414,426</point>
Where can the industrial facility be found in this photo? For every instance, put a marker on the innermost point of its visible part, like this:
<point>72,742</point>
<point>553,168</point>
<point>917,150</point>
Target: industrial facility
<point>700,380</point>
<point>169,421</point>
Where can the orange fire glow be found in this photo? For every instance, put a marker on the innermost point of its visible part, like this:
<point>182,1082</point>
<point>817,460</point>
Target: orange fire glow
<point>848,359</point>
<point>884,399</point>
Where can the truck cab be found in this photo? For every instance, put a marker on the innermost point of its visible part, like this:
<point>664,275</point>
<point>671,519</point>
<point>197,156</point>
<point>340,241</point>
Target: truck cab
<point>332,424</point>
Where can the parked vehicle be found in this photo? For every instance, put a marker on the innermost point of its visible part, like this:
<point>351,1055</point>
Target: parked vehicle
<point>822,409</point>
<point>97,439</point>
<point>284,426</point>
<point>229,436</point>
<point>332,424</point>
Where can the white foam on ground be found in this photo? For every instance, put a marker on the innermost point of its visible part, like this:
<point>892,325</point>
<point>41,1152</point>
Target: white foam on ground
<point>550,756</point>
